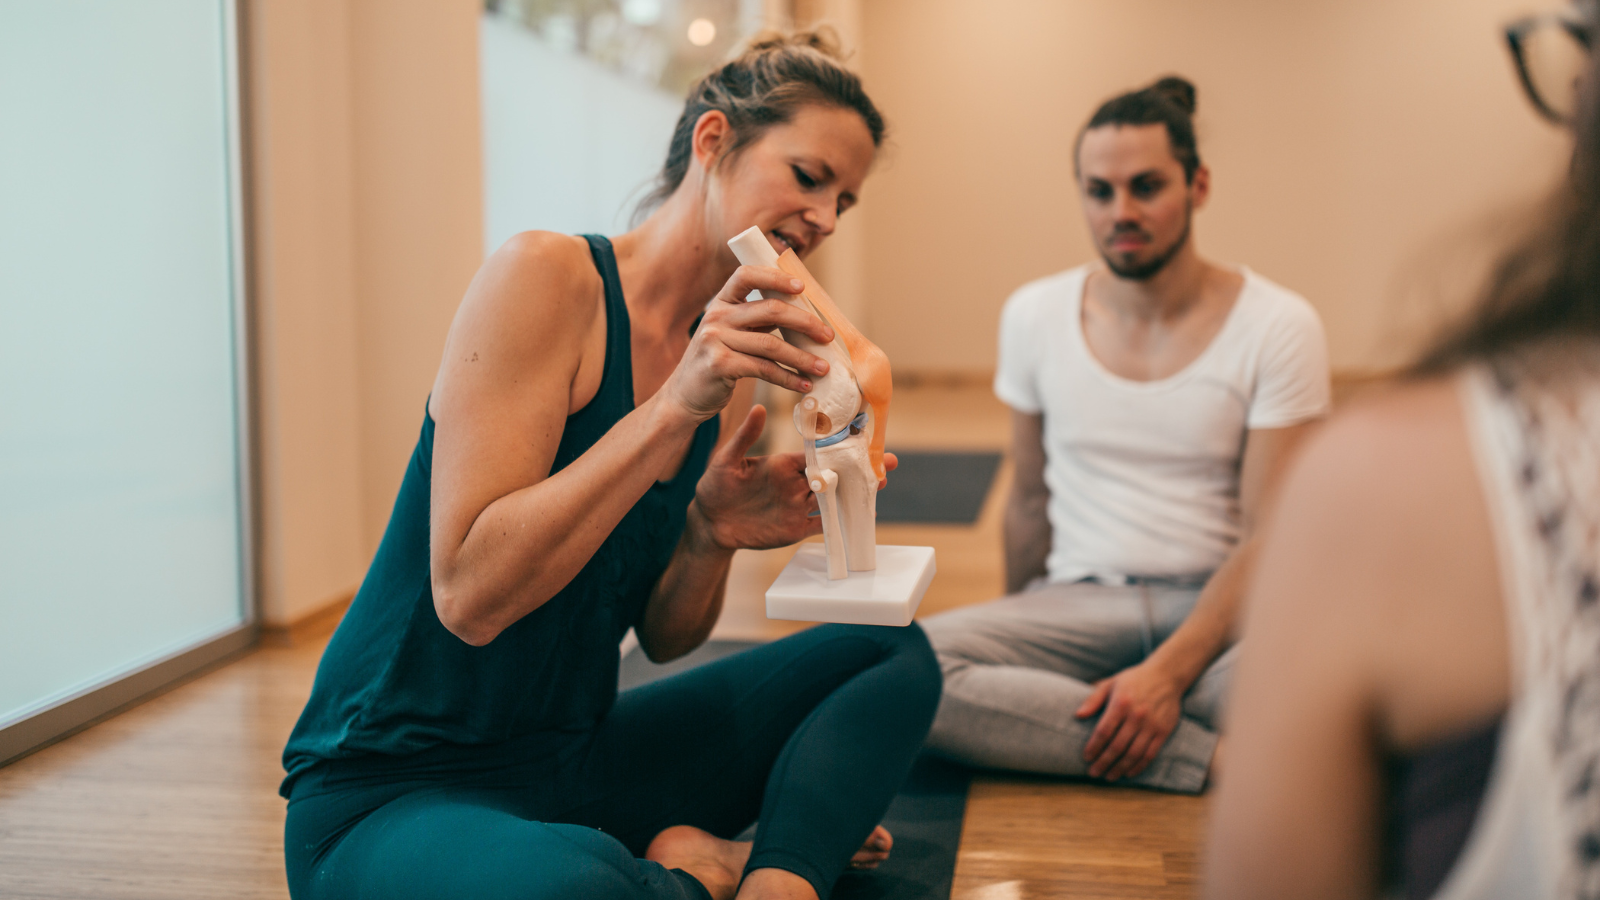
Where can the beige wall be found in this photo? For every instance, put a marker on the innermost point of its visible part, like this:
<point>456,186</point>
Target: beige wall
<point>367,227</point>
<point>419,216</point>
<point>306,335</point>
<point>1343,139</point>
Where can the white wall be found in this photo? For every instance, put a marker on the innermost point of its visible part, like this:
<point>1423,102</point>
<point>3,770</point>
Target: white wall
<point>568,144</point>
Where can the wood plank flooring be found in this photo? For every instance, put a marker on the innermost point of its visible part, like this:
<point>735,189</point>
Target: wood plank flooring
<point>177,798</point>
<point>173,800</point>
<point>1026,839</point>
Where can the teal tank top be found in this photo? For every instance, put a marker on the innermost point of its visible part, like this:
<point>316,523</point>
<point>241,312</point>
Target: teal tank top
<point>394,685</point>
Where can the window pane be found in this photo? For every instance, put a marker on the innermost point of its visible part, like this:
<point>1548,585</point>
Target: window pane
<point>120,528</point>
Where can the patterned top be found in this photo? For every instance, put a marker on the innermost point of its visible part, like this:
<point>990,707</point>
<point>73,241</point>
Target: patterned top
<point>1536,431</point>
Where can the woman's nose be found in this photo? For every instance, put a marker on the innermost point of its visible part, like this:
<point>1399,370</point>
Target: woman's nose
<point>823,220</point>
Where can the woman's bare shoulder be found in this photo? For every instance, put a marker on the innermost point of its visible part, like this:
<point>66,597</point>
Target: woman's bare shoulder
<point>1385,537</point>
<point>555,269</point>
<point>1390,439</point>
<point>537,285</point>
<point>524,322</point>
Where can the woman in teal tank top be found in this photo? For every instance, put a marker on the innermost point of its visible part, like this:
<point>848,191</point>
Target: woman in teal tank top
<point>581,470</point>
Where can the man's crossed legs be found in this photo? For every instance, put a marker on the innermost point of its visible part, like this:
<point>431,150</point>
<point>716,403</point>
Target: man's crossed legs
<point>1017,669</point>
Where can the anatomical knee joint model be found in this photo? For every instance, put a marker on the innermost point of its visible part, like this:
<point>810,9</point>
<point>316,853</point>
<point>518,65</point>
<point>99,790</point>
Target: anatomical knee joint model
<point>842,421</point>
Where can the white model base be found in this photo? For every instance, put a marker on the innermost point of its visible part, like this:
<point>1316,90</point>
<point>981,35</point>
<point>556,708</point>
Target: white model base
<point>888,595</point>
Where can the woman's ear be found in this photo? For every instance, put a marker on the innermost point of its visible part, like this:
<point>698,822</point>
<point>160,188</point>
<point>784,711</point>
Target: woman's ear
<point>712,133</point>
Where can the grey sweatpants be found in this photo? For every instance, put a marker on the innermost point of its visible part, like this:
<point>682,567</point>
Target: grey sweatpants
<point>1017,669</point>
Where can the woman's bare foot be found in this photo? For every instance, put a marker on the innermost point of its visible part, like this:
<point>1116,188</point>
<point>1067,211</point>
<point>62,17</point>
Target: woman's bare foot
<point>777,884</point>
<point>717,864</point>
<point>874,851</point>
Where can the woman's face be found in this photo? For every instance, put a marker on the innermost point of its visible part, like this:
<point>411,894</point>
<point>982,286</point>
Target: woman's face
<point>795,180</point>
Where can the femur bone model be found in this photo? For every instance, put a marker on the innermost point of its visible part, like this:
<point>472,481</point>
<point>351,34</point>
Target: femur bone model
<point>842,420</point>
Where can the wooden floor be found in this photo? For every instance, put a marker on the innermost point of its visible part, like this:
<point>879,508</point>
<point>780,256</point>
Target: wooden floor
<point>176,799</point>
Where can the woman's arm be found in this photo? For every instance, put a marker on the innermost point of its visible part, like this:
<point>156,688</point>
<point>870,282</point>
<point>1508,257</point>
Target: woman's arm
<point>506,535</point>
<point>1373,625</point>
<point>740,502</point>
<point>1297,814</point>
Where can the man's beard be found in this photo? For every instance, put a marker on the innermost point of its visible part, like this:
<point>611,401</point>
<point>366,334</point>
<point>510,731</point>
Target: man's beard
<point>1151,267</point>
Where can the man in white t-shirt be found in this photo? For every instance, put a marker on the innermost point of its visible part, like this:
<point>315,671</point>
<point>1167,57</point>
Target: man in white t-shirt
<point>1156,396</point>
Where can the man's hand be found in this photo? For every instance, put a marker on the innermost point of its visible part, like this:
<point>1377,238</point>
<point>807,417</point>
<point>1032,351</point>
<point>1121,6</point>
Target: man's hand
<point>1142,706</point>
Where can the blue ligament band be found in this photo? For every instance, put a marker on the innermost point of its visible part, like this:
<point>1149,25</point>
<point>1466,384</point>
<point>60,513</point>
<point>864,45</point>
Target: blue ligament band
<point>858,423</point>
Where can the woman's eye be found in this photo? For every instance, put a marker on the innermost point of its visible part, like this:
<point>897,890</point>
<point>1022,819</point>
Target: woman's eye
<point>806,181</point>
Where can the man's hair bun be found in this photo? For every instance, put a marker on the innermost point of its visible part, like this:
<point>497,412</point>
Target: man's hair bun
<point>1179,90</point>
<point>1169,102</point>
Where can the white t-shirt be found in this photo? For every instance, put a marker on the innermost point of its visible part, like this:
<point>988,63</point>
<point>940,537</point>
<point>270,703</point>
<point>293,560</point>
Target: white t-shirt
<point>1144,475</point>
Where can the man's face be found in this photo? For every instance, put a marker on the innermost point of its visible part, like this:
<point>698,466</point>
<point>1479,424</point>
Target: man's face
<point>1135,197</point>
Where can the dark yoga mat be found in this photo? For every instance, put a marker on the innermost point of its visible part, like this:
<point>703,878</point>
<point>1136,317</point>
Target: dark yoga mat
<point>928,487</point>
<point>925,817</point>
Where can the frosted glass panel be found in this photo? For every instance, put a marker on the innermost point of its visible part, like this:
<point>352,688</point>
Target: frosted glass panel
<point>567,142</point>
<point>120,507</point>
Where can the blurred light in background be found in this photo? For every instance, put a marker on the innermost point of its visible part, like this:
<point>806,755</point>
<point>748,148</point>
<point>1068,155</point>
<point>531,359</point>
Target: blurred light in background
<point>702,32</point>
<point>668,43</point>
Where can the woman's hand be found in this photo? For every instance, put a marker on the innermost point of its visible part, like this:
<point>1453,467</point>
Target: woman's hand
<point>734,341</point>
<point>756,502</point>
<point>761,502</point>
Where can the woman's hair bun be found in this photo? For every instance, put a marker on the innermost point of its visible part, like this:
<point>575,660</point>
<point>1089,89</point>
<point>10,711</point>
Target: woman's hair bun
<point>766,84</point>
<point>822,39</point>
<point>1179,90</point>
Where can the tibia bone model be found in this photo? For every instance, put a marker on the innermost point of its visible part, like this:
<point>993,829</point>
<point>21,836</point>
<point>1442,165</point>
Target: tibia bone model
<point>841,421</point>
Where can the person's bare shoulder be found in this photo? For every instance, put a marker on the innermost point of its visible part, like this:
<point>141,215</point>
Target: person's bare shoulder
<point>1365,483</point>
<point>1385,429</point>
<point>1383,527</point>
<point>524,320</point>
<point>537,275</point>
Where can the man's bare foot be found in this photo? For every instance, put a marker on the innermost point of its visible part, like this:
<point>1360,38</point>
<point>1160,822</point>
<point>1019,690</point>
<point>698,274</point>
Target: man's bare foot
<point>715,863</point>
<point>874,851</point>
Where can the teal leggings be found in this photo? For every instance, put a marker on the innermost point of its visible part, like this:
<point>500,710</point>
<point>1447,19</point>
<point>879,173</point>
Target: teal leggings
<point>811,735</point>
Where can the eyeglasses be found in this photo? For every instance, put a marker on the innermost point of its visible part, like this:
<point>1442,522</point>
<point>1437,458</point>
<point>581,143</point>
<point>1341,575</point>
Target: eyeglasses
<point>1552,56</point>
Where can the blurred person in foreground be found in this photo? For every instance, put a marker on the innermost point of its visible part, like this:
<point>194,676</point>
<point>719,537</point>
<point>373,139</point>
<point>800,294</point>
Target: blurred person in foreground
<point>1154,395</point>
<point>1419,706</point>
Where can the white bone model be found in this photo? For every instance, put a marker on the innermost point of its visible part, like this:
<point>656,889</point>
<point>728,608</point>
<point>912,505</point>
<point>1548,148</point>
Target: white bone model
<point>841,420</point>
